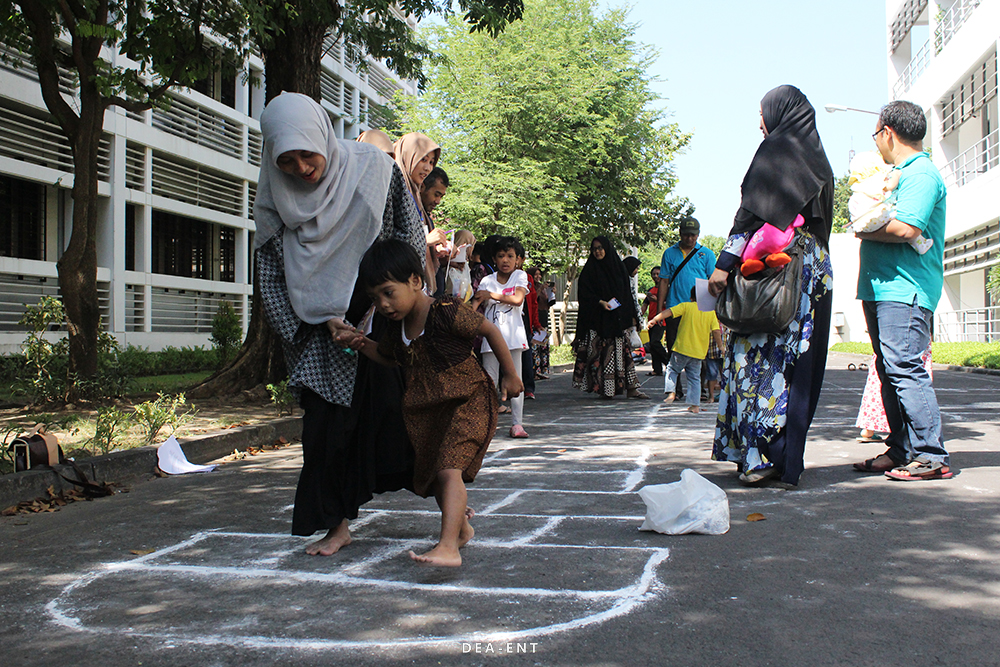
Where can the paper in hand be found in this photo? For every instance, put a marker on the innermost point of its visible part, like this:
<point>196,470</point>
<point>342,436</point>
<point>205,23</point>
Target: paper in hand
<point>706,301</point>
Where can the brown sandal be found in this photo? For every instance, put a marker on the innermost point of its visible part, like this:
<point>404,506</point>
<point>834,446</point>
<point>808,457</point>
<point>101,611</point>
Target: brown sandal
<point>869,465</point>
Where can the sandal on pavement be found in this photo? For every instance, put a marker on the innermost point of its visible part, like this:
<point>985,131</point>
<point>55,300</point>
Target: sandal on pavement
<point>504,410</point>
<point>635,393</point>
<point>870,465</point>
<point>757,476</point>
<point>871,438</point>
<point>918,470</point>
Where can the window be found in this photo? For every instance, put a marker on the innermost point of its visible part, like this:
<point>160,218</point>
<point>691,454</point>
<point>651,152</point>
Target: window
<point>180,246</point>
<point>22,219</point>
<point>130,211</point>
<point>227,254</point>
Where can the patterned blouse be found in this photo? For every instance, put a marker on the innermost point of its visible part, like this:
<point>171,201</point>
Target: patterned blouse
<point>313,360</point>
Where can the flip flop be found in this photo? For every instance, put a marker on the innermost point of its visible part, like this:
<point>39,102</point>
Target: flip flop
<point>920,470</point>
<point>868,465</point>
<point>874,438</point>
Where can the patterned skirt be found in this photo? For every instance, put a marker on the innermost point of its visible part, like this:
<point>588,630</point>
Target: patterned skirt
<point>604,365</point>
<point>772,380</point>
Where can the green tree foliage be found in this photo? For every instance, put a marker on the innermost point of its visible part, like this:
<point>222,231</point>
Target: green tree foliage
<point>164,41</point>
<point>550,132</point>
<point>227,332</point>
<point>841,195</point>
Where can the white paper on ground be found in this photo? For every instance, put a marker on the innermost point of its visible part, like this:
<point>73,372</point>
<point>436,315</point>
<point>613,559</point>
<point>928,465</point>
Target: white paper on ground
<point>706,301</point>
<point>170,457</point>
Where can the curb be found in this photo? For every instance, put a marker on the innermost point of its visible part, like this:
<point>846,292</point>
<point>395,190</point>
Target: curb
<point>115,467</point>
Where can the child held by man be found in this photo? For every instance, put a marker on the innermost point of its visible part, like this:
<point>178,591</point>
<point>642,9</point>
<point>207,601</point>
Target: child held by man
<point>691,347</point>
<point>450,404</point>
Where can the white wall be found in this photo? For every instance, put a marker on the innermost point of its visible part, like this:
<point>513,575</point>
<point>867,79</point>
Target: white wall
<point>848,319</point>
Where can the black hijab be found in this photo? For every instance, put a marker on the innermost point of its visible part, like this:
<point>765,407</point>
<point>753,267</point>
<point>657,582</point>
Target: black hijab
<point>603,280</point>
<point>790,168</point>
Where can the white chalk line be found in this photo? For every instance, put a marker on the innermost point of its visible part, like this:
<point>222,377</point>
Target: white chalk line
<point>625,599</point>
<point>511,497</point>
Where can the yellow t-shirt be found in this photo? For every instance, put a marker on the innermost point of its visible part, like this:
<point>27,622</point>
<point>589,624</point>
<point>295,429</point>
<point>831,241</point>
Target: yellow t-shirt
<point>694,330</point>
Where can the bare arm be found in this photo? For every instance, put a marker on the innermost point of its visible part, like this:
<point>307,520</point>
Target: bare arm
<point>369,348</point>
<point>894,232</point>
<point>511,383</point>
<point>515,299</point>
<point>660,316</point>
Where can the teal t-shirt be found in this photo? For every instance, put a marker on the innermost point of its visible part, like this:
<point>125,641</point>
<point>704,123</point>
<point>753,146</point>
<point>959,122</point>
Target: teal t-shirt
<point>895,271</point>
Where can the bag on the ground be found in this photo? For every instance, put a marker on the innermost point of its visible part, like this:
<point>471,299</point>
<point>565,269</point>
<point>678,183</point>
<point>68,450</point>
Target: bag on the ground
<point>767,301</point>
<point>692,505</point>
<point>633,338</point>
<point>36,448</point>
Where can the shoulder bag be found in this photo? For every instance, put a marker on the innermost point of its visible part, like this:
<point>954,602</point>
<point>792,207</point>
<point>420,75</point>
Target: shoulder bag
<point>767,301</point>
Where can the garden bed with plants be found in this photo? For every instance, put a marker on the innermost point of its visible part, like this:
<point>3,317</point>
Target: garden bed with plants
<point>135,399</point>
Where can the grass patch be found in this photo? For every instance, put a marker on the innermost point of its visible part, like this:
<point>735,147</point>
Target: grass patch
<point>167,384</point>
<point>853,348</point>
<point>561,354</point>
<point>976,355</point>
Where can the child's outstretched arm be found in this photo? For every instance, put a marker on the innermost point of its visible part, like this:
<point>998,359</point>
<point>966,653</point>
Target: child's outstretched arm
<point>659,317</point>
<point>369,348</point>
<point>511,383</point>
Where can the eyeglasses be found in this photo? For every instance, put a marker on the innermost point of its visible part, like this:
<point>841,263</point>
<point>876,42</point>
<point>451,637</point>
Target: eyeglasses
<point>877,132</point>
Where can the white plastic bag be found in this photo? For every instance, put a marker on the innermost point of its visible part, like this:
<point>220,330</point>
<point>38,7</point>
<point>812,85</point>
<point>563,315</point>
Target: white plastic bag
<point>692,505</point>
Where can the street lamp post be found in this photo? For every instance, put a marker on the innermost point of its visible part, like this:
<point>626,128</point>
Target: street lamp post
<point>832,108</point>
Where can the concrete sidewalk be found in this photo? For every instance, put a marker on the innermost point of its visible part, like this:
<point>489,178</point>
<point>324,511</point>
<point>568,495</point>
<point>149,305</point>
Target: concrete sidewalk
<point>848,569</point>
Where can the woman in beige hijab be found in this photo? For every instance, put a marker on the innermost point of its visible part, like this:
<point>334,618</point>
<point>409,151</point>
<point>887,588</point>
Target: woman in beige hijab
<point>379,139</point>
<point>417,155</point>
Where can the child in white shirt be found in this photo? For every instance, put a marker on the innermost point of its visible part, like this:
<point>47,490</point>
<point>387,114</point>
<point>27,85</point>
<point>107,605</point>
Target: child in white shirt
<point>503,294</point>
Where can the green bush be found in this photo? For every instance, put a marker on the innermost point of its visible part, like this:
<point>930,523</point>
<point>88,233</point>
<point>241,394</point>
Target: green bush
<point>227,332</point>
<point>976,355</point>
<point>855,347</point>
<point>281,397</point>
<point>152,416</point>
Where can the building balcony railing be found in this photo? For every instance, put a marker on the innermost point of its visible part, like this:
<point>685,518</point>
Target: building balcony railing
<point>978,159</point>
<point>976,325</point>
<point>947,26</point>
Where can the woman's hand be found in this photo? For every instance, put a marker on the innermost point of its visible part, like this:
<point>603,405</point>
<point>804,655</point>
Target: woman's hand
<point>717,282</point>
<point>343,333</point>
<point>604,304</point>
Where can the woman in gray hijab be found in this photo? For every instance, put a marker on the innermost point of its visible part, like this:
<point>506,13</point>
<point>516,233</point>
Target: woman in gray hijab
<point>321,203</point>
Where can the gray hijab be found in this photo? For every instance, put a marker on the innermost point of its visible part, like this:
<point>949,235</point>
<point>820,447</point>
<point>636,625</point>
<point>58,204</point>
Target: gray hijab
<point>327,226</point>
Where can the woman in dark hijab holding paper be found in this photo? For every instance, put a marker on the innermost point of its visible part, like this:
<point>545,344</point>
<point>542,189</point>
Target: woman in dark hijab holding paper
<point>772,381</point>
<point>321,203</point>
<point>607,308</point>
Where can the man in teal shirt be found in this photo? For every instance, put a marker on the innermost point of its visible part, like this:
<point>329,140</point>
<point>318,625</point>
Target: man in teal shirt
<point>899,289</point>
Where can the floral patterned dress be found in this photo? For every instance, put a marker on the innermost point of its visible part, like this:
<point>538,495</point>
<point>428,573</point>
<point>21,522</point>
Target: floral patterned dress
<point>758,375</point>
<point>871,415</point>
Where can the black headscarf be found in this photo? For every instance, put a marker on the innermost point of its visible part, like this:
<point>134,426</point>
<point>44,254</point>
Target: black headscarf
<point>603,280</point>
<point>790,168</point>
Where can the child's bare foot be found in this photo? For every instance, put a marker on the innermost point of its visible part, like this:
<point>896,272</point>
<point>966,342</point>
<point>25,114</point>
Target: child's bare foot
<point>670,398</point>
<point>694,408</point>
<point>439,556</point>
<point>335,539</point>
<point>466,533</point>
<point>469,512</point>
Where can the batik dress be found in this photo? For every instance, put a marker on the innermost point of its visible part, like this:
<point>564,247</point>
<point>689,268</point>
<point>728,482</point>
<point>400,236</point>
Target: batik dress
<point>450,404</point>
<point>771,381</point>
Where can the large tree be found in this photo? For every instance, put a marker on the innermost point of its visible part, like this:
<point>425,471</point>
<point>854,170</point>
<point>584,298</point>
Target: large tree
<point>551,132</point>
<point>164,44</point>
<point>291,35</point>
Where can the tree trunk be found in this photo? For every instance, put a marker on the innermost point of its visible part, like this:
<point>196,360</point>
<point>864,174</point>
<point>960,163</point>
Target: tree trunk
<point>77,267</point>
<point>261,359</point>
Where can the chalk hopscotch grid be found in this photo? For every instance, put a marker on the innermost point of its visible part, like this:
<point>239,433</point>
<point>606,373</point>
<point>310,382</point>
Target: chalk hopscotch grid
<point>622,600</point>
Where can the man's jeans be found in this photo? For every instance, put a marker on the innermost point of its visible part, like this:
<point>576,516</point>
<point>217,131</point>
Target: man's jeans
<point>900,333</point>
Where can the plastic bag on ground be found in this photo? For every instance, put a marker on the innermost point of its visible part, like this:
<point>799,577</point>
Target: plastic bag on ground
<point>692,505</point>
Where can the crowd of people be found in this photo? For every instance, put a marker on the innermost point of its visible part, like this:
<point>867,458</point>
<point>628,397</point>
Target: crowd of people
<point>403,340</point>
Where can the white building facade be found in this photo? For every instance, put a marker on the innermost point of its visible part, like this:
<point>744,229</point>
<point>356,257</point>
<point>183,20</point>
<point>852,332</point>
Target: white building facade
<point>176,190</point>
<point>943,57</point>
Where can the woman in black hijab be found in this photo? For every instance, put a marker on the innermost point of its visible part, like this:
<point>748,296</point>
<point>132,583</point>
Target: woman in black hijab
<point>772,381</point>
<point>607,308</point>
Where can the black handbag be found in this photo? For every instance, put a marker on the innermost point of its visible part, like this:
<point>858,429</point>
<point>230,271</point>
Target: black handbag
<point>767,301</point>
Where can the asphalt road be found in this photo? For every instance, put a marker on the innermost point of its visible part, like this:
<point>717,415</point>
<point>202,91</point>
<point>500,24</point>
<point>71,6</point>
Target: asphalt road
<point>848,569</point>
